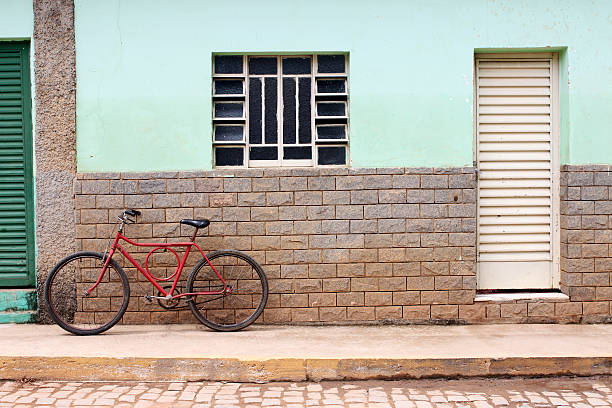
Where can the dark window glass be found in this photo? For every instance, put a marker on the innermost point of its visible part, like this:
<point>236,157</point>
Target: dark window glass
<point>289,111</point>
<point>228,64</point>
<point>262,66</point>
<point>292,66</point>
<point>331,86</point>
<point>229,156</point>
<point>271,120</point>
<point>228,110</point>
<point>331,109</point>
<point>297,153</point>
<point>228,133</point>
<point>255,111</point>
<point>331,132</point>
<point>332,155</point>
<point>229,87</point>
<point>331,64</point>
<point>263,153</point>
<point>305,132</point>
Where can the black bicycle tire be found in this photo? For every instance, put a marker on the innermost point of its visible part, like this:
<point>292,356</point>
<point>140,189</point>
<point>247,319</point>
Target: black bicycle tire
<point>85,332</point>
<point>258,311</point>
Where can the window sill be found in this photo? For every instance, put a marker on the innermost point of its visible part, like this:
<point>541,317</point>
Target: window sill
<point>507,297</point>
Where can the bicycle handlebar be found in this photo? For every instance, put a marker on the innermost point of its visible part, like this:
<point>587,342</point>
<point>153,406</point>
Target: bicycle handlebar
<point>131,212</point>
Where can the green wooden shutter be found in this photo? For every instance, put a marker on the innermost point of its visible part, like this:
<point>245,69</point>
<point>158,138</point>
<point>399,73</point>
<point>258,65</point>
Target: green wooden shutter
<point>16,181</point>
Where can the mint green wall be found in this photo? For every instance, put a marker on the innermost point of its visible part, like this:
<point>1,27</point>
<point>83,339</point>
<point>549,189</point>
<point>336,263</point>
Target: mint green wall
<point>143,73</point>
<point>16,19</point>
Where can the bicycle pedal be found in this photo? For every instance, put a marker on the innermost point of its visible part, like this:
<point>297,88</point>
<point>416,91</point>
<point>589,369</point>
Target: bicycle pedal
<point>148,298</point>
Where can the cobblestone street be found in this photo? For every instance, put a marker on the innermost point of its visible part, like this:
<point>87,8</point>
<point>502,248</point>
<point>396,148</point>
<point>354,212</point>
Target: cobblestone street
<point>479,393</point>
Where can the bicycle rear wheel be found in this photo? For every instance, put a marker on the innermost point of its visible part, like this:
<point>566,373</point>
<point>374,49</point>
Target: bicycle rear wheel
<point>248,297</point>
<point>65,293</point>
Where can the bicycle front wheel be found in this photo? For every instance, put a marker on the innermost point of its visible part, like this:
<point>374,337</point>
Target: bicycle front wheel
<point>228,311</point>
<point>65,289</point>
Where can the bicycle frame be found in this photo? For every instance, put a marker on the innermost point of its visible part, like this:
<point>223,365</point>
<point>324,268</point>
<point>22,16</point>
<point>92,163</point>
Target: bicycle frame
<point>145,271</point>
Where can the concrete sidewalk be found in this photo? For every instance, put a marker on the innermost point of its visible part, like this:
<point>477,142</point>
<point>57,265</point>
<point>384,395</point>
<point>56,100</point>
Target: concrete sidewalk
<point>296,353</point>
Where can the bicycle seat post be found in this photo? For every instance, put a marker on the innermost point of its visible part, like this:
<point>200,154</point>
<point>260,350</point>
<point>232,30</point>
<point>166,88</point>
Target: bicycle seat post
<point>195,233</point>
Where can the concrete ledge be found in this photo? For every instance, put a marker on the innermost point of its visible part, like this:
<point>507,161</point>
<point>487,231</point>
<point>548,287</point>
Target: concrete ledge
<point>290,353</point>
<point>234,370</point>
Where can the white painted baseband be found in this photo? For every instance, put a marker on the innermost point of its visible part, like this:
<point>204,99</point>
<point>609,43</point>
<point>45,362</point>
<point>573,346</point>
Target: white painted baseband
<point>505,297</point>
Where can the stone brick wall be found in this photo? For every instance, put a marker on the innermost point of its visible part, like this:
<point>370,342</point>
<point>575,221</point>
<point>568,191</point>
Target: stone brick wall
<point>340,245</point>
<point>586,238</point>
<point>336,244</point>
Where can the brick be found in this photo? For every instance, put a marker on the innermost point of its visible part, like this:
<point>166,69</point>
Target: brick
<point>84,201</point>
<point>462,268</point>
<point>416,312</point>
<point>378,240</point>
<point>350,241</point>
<point>282,257</point>
<point>434,181</point>
<point>335,255</point>
<point>208,185</point>
<point>434,240</point>
<point>294,300</point>
<point>376,211</point>
<point>580,265</point>
<point>321,299</point>
<point>603,207</point>
<point>378,298</point>
<point>388,312</point>
<point>307,256</point>
<point>166,230</point>
<point>151,186</point>
<point>222,199</point>
<point>95,187</point>
<point>493,311</point>
<point>236,214</point>
<point>265,184</point>
<point>448,282</point>
<point>603,178</point>
<point>472,313</point>
<point>407,269</point>
<point>94,216</point>
<point>411,240</point>
<point>308,198</point>
<point>251,199</point>
<point>461,297</point>
<point>123,187</point>
<point>351,270</point>
<point>378,269</point>
<point>580,207</point>
<point>177,214</point>
<point>305,314</point>
<point>236,185</point>
<point>360,313</point>
<point>349,183</point>
<point>279,227</point>
<point>513,310</point>
<point>405,211</point>
<point>580,179</point>
<point>419,196</point>
<point>350,299</point>
<point>237,242</point>
<point>194,199</point>
<point>324,212</point>
<point>568,309</point>
<point>596,279</point>
<point>581,236</point>
<point>250,228</point>
<point>594,250</point>
<point>594,222</point>
<point>391,196</point>
<point>419,225</point>
<point>292,213</point>
<point>322,241</point>
<point>293,184</point>
<point>264,213</point>
<point>419,254</point>
<point>448,225</point>
<point>321,270</point>
<point>603,293</point>
<point>109,201</point>
<point>392,284</point>
<point>419,283</point>
<point>277,315</point>
<point>266,243</point>
<point>180,186</point>
<point>391,225</point>
<point>363,284</point>
<point>346,212</point>
<point>166,200</point>
<point>461,181</point>
<point>86,231</point>
<point>430,297</point>
<point>594,193</point>
<point>307,227</point>
<point>595,308</point>
<point>375,182</point>
<point>603,265</point>
<point>541,309</point>
<point>406,181</point>
<point>582,293</point>
<point>332,314</point>
<point>279,198</point>
<point>447,196</point>
<point>407,298</point>
<point>462,210</point>
<point>336,197</point>
<point>152,215</point>
<point>294,242</point>
<point>363,255</point>
<point>364,197</point>
<point>469,196</point>
<point>462,239</point>
<point>280,285</point>
<point>321,183</point>
<point>337,284</point>
<point>363,226</point>
<point>391,255</point>
<point>433,210</point>
<point>444,312</point>
<point>294,271</point>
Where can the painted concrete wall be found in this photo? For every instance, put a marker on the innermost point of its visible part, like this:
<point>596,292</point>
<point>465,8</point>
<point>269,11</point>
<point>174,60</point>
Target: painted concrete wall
<point>16,19</point>
<point>143,73</point>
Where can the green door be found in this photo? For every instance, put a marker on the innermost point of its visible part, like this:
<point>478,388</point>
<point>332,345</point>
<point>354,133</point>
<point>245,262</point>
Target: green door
<point>16,181</point>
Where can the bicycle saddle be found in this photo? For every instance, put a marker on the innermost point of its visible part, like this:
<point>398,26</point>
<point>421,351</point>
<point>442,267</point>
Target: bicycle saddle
<point>196,223</point>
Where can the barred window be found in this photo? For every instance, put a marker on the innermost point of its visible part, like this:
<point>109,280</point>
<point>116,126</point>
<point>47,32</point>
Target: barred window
<point>287,110</point>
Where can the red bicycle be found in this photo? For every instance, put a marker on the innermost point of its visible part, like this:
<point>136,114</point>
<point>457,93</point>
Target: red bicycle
<point>88,292</point>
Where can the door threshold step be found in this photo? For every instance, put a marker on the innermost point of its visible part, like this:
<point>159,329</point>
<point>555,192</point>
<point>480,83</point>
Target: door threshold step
<point>15,300</point>
<point>28,316</point>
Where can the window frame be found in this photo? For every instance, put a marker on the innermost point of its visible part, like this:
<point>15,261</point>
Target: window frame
<point>316,121</point>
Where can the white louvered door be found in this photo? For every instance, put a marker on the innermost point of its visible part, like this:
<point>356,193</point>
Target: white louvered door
<point>516,122</point>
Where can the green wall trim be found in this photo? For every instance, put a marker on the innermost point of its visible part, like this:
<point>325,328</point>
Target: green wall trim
<point>13,300</point>
<point>18,317</point>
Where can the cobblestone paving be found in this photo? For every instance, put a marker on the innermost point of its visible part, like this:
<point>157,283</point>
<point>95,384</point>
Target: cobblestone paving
<point>479,393</point>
